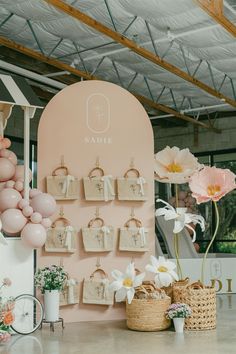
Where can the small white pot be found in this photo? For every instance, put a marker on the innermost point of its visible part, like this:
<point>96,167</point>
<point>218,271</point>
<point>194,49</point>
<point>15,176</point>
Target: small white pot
<point>51,305</point>
<point>179,324</point>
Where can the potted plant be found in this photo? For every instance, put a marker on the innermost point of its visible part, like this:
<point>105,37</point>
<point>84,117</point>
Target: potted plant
<point>6,313</point>
<point>178,312</point>
<point>50,281</point>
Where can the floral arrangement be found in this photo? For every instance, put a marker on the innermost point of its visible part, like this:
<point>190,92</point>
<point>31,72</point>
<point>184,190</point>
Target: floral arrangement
<point>178,310</point>
<point>50,278</point>
<point>6,313</point>
<point>173,165</point>
<point>127,284</point>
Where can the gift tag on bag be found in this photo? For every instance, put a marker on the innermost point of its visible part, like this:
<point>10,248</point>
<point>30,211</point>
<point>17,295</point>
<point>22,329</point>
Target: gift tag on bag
<point>62,186</point>
<point>132,187</point>
<point>96,289</point>
<point>99,187</point>
<point>61,237</point>
<point>133,238</point>
<point>70,293</point>
<point>98,238</point>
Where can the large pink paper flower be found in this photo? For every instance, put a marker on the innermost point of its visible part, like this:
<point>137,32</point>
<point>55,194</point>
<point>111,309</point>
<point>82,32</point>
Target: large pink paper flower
<point>211,183</point>
<point>173,165</point>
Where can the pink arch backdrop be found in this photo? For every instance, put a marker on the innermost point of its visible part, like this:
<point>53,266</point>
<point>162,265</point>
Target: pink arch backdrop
<point>84,121</point>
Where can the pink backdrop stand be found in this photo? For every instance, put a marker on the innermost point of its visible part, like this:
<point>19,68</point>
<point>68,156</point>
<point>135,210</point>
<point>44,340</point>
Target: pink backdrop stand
<point>83,122</point>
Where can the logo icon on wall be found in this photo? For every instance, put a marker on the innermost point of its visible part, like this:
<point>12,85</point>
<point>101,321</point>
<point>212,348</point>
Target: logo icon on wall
<point>98,113</point>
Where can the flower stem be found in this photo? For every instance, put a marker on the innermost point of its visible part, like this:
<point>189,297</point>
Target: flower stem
<point>176,238</point>
<point>212,240</point>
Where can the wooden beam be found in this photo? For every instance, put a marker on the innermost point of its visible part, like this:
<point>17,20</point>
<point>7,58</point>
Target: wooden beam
<point>36,55</point>
<point>178,115</point>
<point>56,63</point>
<point>215,10</point>
<point>89,21</point>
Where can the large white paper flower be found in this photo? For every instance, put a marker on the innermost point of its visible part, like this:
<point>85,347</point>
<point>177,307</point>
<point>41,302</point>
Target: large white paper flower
<point>181,217</point>
<point>125,284</point>
<point>173,165</point>
<point>164,270</point>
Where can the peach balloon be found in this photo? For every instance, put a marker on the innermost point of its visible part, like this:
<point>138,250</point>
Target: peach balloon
<point>46,222</point>
<point>9,199</point>
<point>33,192</point>
<point>13,221</point>
<point>10,184</point>
<point>44,204</point>
<point>27,211</point>
<point>33,235</point>
<point>19,186</point>
<point>10,155</point>
<point>36,218</point>
<point>7,169</point>
<point>23,203</point>
<point>19,173</point>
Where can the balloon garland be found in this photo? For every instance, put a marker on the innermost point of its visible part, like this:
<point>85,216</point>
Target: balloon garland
<point>28,218</point>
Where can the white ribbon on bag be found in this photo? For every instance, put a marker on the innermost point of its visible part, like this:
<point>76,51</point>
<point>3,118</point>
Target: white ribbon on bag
<point>105,230</point>
<point>66,184</point>
<point>68,242</point>
<point>108,189</point>
<point>105,293</point>
<point>70,284</point>
<point>142,232</point>
<point>140,182</point>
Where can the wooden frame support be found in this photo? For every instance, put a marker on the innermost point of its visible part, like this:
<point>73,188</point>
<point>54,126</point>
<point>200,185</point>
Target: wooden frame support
<point>215,10</point>
<point>119,38</point>
<point>60,65</point>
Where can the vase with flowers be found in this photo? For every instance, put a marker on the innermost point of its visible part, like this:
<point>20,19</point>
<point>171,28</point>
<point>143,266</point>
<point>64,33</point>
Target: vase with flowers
<point>146,302</point>
<point>178,312</point>
<point>6,313</point>
<point>50,281</point>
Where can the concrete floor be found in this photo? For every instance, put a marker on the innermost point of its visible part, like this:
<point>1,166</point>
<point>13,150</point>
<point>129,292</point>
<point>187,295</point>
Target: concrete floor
<point>114,338</point>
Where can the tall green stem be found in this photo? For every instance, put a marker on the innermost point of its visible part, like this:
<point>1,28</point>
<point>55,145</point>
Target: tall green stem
<point>176,238</point>
<point>212,240</point>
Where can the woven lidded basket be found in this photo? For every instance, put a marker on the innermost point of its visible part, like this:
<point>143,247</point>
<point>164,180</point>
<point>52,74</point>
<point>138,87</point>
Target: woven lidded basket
<point>148,314</point>
<point>202,301</point>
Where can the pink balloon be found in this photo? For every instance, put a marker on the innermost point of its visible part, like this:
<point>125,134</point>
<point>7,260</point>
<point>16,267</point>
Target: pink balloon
<point>46,222</point>
<point>9,199</point>
<point>10,155</point>
<point>13,221</point>
<point>10,184</point>
<point>36,218</point>
<point>27,211</point>
<point>23,203</point>
<point>2,146</point>
<point>6,142</point>
<point>44,204</point>
<point>19,186</point>
<point>2,185</point>
<point>33,192</point>
<point>19,173</point>
<point>7,169</point>
<point>33,235</point>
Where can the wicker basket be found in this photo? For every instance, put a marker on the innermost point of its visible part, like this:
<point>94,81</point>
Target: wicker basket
<point>147,314</point>
<point>202,301</point>
<point>170,289</point>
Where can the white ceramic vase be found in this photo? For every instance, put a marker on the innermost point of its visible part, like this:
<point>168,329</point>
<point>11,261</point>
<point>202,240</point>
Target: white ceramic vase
<point>51,305</point>
<point>179,324</point>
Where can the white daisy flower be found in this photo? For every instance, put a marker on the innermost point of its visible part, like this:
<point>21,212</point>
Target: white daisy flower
<point>164,270</point>
<point>125,284</point>
<point>181,217</point>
